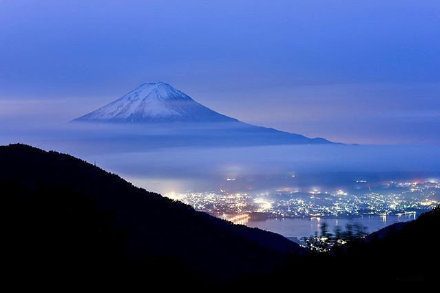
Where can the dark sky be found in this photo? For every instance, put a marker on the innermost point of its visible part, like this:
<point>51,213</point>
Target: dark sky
<point>351,71</point>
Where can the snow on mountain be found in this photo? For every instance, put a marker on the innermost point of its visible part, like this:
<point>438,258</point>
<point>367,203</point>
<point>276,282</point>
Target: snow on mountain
<point>159,103</point>
<point>155,102</point>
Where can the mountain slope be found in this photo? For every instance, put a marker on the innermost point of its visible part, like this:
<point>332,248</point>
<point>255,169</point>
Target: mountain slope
<point>160,107</point>
<point>398,254</point>
<point>76,218</point>
<point>402,254</point>
<point>155,102</point>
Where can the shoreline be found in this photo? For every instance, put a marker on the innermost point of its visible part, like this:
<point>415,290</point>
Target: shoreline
<point>257,217</point>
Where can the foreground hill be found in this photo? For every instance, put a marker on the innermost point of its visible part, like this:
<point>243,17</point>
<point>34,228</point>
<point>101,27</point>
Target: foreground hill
<point>411,250</point>
<point>66,218</point>
<point>398,255</point>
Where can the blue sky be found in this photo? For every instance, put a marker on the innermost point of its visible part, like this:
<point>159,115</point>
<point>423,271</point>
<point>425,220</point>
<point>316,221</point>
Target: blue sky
<point>352,71</point>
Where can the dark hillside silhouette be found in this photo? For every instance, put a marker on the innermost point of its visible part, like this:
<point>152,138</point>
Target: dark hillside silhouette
<point>67,221</point>
<point>66,218</point>
<point>398,255</point>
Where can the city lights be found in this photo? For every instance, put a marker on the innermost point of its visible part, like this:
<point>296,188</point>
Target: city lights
<point>390,198</point>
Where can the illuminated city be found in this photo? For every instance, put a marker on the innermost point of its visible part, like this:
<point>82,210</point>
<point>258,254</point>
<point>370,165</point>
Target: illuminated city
<point>388,198</point>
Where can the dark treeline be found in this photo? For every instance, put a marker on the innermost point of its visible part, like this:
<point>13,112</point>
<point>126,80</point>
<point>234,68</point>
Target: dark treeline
<point>66,219</point>
<point>68,223</point>
<point>399,255</point>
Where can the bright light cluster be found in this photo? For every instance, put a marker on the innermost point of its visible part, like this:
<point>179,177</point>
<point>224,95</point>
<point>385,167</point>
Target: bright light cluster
<point>389,198</point>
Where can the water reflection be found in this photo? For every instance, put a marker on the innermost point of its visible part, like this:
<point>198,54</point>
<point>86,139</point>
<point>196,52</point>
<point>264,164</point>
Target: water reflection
<point>305,227</point>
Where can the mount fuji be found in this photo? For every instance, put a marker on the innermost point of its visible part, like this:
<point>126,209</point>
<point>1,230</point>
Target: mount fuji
<point>160,106</point>
<point>155,102</point>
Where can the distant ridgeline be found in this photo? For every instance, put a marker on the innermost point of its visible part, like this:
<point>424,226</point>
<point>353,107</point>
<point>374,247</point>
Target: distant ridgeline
<point>175,119</point>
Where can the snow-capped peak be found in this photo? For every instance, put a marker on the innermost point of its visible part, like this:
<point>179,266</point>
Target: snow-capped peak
<point>157,90</point>
<point>157,101</point>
